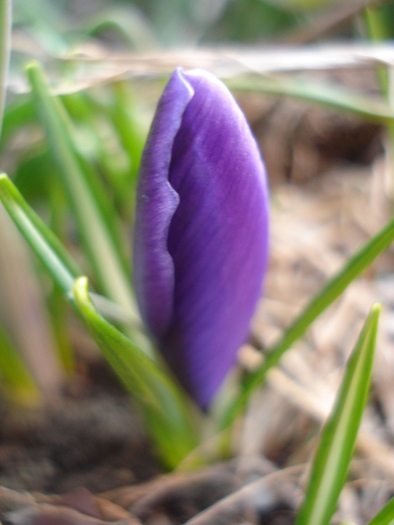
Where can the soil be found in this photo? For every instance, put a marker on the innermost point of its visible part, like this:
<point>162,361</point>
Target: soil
<point>92,438</point>
<point>87,460</point>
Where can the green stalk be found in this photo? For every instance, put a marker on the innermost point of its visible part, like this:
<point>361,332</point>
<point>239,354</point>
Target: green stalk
<point>5,49</point>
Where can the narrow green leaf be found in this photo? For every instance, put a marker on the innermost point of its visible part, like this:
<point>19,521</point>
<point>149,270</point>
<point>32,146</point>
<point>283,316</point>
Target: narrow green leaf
<point>385,516</point>
<point>58,308</point>
<point>23,309</point>
<point>40,238</point>
<point>97,234</point>
<point>5,49</point>
<point>170,417</point>
<point>55,258</point>
<point>338,437</point>
<point>165,408</point>
<point>133,130</point>
<point>324,298</point>
<point>378,24</point>
<point>14,374</point>
<point>59,318</point>
<point>374,110</point>
<point>96,144</point>
<point>104,146</point>
<point>128,120</point>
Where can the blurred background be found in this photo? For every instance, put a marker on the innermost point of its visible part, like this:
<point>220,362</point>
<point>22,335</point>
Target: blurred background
<point>141,25</point>
<point>314,79</point>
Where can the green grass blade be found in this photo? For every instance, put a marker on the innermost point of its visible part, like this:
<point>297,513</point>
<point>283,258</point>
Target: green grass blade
<point>40,238</point>
<point>338,437</point>
<point>132,130</point>
<point>169,416</point>
<point>105,148</point>
<point>58,313</point>
<point>98,236</point>
<point>57,306</point>
<point>324,298</point>
<point>23,310</point>
<point>55,258</point>
<point>385,516</point>
<point>5,48</point>
<point>14,375</point>
<point>166,411</point>
<point>374,110</point>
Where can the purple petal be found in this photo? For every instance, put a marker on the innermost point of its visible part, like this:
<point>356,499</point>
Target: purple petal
<point>217,238</point>
<point>156,203</point>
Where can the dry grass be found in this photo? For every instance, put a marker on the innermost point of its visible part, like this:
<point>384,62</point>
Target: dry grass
<point>315,227</point>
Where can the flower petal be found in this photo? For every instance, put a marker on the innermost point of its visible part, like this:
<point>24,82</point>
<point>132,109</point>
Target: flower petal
<point>218,237</point>
<point>156,203</point>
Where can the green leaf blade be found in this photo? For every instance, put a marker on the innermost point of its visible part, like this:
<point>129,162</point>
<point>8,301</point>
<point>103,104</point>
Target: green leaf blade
<point>40,238</point>
<point>170,417</point>
<point>5,48</point>
<point>338,437</point>
<point>55,258</point>
<point>385,516</point>
<point>97,232</point>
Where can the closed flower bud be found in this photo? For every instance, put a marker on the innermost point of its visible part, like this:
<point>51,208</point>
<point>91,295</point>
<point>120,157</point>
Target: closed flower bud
<point>201,230</point>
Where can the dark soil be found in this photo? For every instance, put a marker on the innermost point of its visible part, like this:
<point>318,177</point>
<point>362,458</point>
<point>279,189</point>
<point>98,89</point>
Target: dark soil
<point>93,439</point>
<point>85,459</point>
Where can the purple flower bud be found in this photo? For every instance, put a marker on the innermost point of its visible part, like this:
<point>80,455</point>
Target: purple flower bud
<point>201,231</point>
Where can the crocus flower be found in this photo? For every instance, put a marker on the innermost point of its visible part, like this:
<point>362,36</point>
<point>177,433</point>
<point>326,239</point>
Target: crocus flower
<point>201,230</point>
